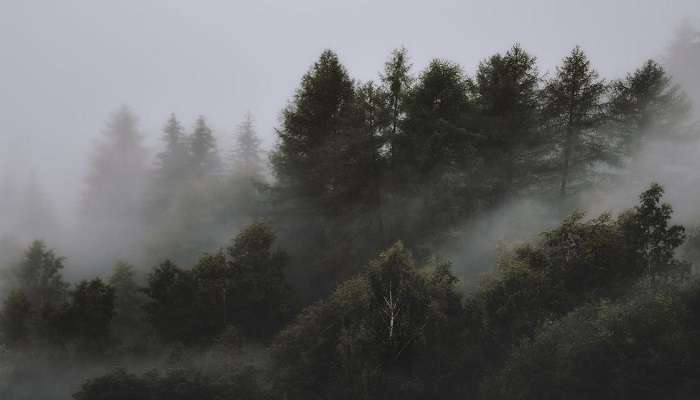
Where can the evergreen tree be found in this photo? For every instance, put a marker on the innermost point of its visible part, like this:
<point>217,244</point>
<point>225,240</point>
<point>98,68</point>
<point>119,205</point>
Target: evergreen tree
<point>683,60</point>
<point>129,318</point>
<point>15,319</point>
<point>118,172</point>
<point>247,160</point>
<point>39,276</point>
<point>574,112</point>
<point>173,161</point>
<point>89,316</point>
<point>435,131</point>
<point>507,91</point>
<point>203,149</point>
<point>646,105</point>
<point>310,160</point>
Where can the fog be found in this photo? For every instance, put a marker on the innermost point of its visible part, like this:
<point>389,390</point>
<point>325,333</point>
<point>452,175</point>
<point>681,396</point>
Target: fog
<point>67,65</point>
<point>88,88</point>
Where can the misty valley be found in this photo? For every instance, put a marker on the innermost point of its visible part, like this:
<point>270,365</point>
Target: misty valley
<point>505,231</point>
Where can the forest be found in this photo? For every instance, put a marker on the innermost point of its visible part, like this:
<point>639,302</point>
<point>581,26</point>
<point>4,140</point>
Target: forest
<point>360,259</point>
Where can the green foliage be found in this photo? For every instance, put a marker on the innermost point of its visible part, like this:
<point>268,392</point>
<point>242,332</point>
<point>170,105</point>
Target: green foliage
<point>244,287</point>
<point>637,348</point>
<point>89,316</point>
<point>507,98</point>
<point>374,336</point>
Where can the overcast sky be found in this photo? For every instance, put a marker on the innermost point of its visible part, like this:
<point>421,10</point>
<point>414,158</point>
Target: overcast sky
<point>65,65</point>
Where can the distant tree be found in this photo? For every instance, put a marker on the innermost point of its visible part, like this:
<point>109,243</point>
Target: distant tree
<point>572,105</point>
<point>173,161</point>
<point>647,105</point>
<point>15,319</point>
<point>39,276</point>
<point>203,149</point>
<point>683,60</point>
<point>247,160</point>
<point>507,103</point>
<point>119,168</point>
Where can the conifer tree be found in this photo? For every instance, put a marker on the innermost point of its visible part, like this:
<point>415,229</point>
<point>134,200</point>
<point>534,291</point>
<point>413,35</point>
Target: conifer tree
<point>203,149</point>
<point>645,105</point>
<point>574,112</point>
<point>507,90</point>
<point>247,160</point>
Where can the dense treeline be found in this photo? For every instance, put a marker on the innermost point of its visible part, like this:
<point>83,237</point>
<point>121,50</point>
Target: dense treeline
<point>332,287</point>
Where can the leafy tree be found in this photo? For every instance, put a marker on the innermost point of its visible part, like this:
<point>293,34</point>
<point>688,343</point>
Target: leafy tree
<point>396,83</point>
<point>646,104</point>
<point>637,347</point>
<point>507,102</point>
<point>261,299</point>
<point>572,105</point>
<point>375,330</point>
<point>90,315</point>
<point>172,292</point>
<point>15,319</point>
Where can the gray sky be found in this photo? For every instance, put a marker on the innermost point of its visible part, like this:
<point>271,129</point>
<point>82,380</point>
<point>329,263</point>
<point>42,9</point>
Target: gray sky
<point>67,64</point>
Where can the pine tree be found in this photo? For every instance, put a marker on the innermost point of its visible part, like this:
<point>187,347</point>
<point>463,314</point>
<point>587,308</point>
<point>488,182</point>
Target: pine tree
<point>507,90</point>
<point>203,149</point>
<point>119,170</point>
<point>574,112</point>
<point>434,131</point>
<point>247,160</point>
<point>311,159</point>
<point>645,105</point>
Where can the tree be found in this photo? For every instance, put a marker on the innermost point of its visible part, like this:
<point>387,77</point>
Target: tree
<point>39,277</point>
<point>118,172</point>
<point>396,81</point>
<point>646,105</point>
<point>90,315</point>
<point>572,105</point>
<point>683,59</point>
<point>173,161</point>
<point>507,103</point>
<point>172,294</point>
<point>203,149</point>
<point>15,318</point>
<point>309,160</point>
<point>247,160</point>
<point>384,331</point>
<point>261,301</point>
<point>129,300</point>
<point>114,198</point>
<point>435,131</point>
